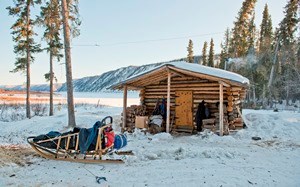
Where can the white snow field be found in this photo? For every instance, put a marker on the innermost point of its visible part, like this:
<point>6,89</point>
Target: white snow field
<point>204,159</point>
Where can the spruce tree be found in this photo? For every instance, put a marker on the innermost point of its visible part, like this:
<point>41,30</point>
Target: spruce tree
<point>50,19</point>
<point>264,54</point>
<point>251,36</point>
<point>224,50</point>
<point>190,56</point>
<point>211,54</point>
<point>239,43</point>
<point>23,36</point>
<point>204,54</point>
<point>266,33</point>
<point>222,60</point>
<point>285,35</point>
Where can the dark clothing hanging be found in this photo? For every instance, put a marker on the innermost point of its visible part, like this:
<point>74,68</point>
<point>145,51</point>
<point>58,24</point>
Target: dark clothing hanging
<point>163,109</point>
<point>160,108</point>
<point>200,115</point>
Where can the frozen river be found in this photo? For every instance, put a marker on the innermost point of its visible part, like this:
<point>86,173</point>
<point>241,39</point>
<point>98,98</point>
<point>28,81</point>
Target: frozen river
<point>104,98</point>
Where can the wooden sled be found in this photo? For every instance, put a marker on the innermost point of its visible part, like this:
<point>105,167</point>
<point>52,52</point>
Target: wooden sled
<point>66,151</point>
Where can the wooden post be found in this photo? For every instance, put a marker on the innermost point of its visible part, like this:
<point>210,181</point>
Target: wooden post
<point>168,103</point>
<point>124,106</point>
<point>221,112</point>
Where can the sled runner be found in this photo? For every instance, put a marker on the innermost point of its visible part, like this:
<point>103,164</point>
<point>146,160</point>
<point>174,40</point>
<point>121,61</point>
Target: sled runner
<point>93,145</point>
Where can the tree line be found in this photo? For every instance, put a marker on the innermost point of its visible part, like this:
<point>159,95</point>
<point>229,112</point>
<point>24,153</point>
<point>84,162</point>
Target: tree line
<point>56,17</point>
<point>269,58</point>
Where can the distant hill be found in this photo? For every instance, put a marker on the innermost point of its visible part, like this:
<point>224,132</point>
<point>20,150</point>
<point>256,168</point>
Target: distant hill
<point>101,82</point>
<point>34,87</point>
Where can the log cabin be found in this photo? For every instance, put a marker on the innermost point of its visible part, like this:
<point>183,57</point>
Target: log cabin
<point>184,86</point>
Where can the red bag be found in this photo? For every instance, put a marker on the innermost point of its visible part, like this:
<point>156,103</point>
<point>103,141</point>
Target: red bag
<point>110,138</point>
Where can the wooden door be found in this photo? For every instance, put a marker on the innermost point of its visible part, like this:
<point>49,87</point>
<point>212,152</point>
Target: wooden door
<point>184,108</point>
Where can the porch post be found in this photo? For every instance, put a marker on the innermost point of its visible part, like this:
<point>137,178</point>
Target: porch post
<point>168,103</point>
<point>221,112</point>
<point>124,107</point>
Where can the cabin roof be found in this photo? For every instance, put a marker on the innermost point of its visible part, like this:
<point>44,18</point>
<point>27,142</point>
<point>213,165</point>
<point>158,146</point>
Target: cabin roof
<point>184,69</point>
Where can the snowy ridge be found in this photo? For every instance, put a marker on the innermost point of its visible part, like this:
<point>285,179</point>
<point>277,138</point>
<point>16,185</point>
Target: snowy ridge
<point>34,87</point>
<point>102,82</point>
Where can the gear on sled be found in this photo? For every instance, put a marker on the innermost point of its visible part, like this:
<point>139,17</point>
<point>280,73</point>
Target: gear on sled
<point>93,145</point>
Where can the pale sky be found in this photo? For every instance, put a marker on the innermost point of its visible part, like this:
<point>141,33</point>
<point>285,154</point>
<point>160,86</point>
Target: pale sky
<point>132,32</point>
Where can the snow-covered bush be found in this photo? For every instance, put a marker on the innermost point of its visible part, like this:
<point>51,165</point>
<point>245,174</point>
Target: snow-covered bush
<point>12,112</point>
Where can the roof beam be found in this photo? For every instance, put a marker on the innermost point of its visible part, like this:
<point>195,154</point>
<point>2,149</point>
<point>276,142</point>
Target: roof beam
<point>224,84</point>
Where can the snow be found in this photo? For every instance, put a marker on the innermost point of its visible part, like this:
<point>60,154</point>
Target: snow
<point>204,159</point>
<point>193,67</point>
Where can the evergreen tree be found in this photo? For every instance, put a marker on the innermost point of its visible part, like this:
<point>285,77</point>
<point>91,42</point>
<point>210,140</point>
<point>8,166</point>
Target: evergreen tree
<point>23,36</point>
<point>288,26</point>
<point>190,56</point>
<point>222,59</point>
<point>264,54</point>
<point>204,56</point>
<point>211,54</point>
<point>287,52</point>
<point>251,36</point>
<point>240,41</point>
<point>50,19</point>
<point>265,39</point>
<point>224,50</point>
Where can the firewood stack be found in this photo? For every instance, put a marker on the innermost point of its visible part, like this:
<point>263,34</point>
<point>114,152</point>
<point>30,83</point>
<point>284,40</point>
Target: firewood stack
<point>131,113</point>
<point>232,118</point>
<point>235,120</point>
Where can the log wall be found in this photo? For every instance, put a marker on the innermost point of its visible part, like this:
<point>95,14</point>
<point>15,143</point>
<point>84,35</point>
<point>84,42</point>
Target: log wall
<point>202,90</point>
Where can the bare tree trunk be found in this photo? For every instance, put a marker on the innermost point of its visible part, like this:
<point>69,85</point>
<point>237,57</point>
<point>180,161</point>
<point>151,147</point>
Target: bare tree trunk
<point>51,84</point>
<point>273,65</point>
<point>264,96</point>
<point>254,96</point>
<point>28,64</point>
<point>65,15</point>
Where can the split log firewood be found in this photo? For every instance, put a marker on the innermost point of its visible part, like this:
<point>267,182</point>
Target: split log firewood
<point>208,121</point>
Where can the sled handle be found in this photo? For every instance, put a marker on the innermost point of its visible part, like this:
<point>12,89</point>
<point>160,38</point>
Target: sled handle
<point>104,120</point>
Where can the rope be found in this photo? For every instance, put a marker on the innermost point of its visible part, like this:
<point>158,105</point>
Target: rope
<point>98,179</point>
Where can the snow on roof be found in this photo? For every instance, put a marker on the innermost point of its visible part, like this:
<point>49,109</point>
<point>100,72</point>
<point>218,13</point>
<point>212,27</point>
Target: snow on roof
<point>216,72</point>
<point>196,68</point>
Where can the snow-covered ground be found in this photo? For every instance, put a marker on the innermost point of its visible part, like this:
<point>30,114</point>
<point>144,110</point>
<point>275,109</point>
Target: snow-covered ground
<point>162,160</point>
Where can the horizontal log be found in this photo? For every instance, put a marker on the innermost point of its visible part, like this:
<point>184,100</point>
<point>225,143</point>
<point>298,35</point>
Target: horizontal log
<point>236,89</point>
<point>186,85</point>
<point>185,88</point>
<point>204,97</point>
<point>208,101</point>
<point>210,127</point>
<point>162,93</point>
<point>158,97</point>
<point>154,100</point>
<point>208,121</point>
<point>187,78</point>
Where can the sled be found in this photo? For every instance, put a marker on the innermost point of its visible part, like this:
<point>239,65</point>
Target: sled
<point>66,147</point>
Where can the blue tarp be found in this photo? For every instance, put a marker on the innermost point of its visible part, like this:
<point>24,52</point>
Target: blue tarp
<point>88,137</point>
